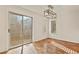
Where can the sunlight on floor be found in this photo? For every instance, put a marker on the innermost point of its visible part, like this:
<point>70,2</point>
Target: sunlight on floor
<point>27,49</point>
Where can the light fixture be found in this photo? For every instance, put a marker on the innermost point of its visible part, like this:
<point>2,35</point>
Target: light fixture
<point>49,13</point>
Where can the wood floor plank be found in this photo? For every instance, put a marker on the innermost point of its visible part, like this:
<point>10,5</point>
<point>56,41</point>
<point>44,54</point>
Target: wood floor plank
<point>39,45</point>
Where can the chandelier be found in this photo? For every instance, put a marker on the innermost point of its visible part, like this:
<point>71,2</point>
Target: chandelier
<point>49,13</point>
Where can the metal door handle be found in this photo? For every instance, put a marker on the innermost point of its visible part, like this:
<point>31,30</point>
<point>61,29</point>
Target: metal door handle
<point>9,30</point>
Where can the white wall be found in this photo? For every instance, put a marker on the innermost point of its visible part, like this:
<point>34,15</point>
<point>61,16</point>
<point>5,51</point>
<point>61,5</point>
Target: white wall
<point>3,29</point>
<point>40,27</point>
<point>67,23</point>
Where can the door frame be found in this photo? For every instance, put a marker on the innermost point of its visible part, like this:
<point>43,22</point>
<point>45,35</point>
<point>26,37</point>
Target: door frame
<point>22,24</point>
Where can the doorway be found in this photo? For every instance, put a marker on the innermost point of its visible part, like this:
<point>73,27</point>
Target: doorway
<point>20,29</point>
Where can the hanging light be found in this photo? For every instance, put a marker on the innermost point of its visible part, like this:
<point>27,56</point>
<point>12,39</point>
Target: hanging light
<point>49,13</point>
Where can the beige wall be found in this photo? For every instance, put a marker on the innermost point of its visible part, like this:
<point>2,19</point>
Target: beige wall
<point>40,30</point>
<point>67,23</point>
<point>3,29</point>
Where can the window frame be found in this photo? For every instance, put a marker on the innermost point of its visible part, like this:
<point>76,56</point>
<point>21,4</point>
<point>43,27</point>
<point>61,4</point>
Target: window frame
<point>50,26</point>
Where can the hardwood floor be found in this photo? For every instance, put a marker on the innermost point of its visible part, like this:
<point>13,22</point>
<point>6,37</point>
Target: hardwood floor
<point>27,49</point>
<point>70,45</point>
<point>5,52</point>
<point>51,49</point>
<point>43,49</point>
<point>46,46</point>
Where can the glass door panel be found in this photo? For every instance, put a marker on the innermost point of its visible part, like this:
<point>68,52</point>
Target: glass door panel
<point>15,23</point>
<point>27,29</point>
<point>20,29</point>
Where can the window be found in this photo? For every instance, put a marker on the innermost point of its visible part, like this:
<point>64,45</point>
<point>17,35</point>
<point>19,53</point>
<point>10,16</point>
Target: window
<point>53,26</point>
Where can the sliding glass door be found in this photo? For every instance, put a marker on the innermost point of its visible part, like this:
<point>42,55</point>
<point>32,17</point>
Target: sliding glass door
<point>27,29</point>
<point>20,29</point>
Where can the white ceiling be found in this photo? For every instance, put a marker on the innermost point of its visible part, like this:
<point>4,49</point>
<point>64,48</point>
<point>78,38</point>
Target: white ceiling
<point>35,8</point>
